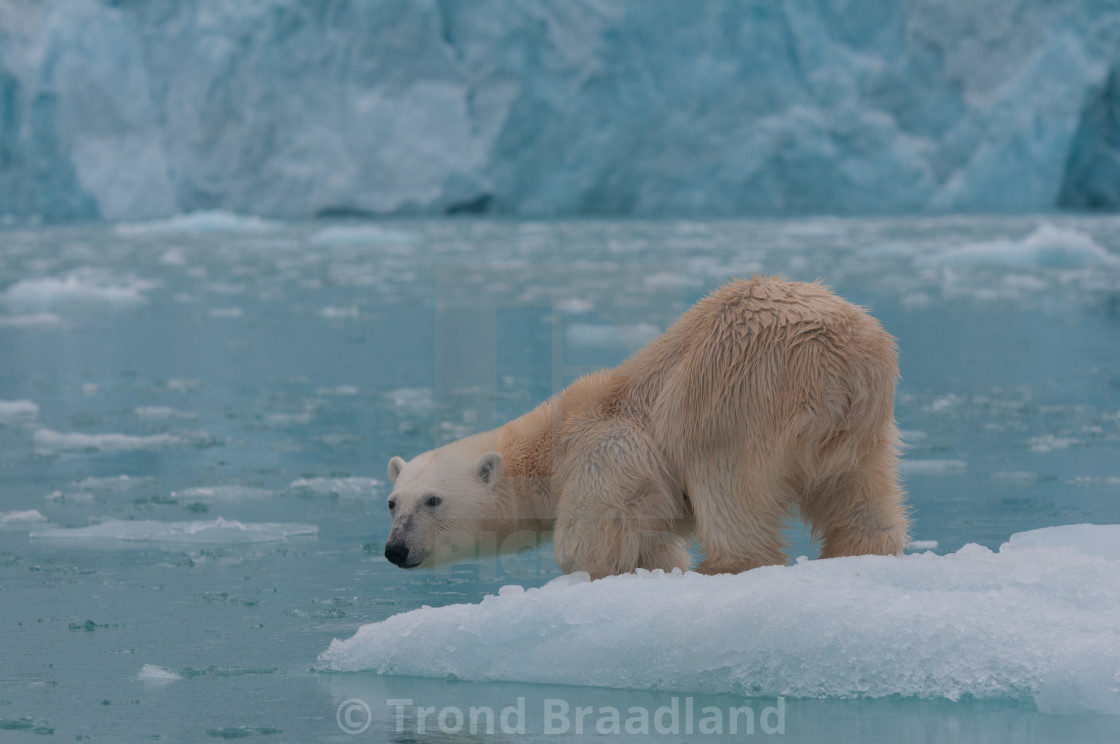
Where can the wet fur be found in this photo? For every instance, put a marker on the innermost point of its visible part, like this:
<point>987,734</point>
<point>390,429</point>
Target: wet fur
<point>767,397</point>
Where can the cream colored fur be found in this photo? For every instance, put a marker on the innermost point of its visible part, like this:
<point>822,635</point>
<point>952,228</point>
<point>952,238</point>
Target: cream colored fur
<point>767,397</point>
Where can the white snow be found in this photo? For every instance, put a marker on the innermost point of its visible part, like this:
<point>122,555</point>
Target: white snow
<point>208,221</point>
<point>17,410</point>
<point>219,531</point>
<point>16,518</point>
<point>1038,620</point>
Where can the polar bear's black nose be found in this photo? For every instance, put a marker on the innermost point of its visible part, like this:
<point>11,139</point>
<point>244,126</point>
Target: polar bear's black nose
<point>396,552</point>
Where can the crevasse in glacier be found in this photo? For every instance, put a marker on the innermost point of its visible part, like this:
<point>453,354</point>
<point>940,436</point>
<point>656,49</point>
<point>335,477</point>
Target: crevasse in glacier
<point>124,111</point>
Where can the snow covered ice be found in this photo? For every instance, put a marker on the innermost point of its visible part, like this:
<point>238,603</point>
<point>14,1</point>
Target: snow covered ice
<point>1038,620</point>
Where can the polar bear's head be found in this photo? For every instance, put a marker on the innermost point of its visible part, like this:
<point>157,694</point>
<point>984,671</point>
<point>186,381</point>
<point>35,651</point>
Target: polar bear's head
<point>439,501</point>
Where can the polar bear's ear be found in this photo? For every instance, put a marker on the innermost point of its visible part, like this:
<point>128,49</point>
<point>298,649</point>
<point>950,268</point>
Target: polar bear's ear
<point>395,466</point>
<point>489,468</point>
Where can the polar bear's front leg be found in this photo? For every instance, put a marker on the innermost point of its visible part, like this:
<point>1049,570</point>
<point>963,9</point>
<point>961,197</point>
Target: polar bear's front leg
<point>616,510</point>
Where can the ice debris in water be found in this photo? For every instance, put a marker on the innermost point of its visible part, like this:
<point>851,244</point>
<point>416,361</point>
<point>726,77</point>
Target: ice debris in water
<point>593,335</point>
<point>79,288</point>
<point>17,410</point>
<point>157,675</point>
<point>34,320</point>
<point>341,487</point>
<point>220,531</point>
<point>1038,620</point>
<point>361,235</point>
<point>207,221</point>
<point>211,494</point>
<point>1048,246</point>
<point>16,518</point>
<point>48,441</point>
<point>932,467</point>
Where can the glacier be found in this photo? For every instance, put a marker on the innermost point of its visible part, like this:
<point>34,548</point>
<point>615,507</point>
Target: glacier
<point>284,109</point>
<point>1035,622</point>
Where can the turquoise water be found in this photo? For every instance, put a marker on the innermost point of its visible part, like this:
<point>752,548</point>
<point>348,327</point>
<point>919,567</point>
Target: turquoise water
<point>222,368</point>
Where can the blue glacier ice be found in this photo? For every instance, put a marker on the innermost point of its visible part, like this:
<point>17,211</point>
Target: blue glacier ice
<point>280,108</point>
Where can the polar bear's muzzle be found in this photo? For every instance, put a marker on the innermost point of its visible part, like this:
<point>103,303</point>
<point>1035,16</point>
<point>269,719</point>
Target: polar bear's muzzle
<point>397,553</point>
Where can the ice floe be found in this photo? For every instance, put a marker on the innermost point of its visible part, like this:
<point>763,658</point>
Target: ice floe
<point>49,441</point>
<point>208,221</point>
<point>79,288</point>
<point>17,410</point>
<point>1047,246</point>
<point>345,488</point>
<point>219,531</point>
<point>1038,620</point>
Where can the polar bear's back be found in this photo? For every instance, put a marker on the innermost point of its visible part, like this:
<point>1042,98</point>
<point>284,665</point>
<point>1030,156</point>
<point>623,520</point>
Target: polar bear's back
<point>766,358</point>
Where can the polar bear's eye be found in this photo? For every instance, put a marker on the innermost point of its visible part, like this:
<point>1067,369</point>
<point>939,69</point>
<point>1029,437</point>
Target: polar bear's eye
<point>392,504</point>
<point>433,501</point>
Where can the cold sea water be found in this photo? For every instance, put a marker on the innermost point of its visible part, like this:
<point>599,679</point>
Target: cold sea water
<point>195,420</point>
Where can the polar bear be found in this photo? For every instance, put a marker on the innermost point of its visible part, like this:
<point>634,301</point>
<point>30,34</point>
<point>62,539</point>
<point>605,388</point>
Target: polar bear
<point>767,397</point>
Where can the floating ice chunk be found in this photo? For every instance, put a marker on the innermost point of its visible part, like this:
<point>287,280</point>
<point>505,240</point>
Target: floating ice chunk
<point>48,440</point>
<point>161,413</point>
<point>157,675</point>
<point>183,386</point>
<point>411,400</point>
<point>362,235</point>
<point>1093,480</point>
<point>1048,246</point>
<point>932,467</point>
<point>575,306</point>
<point>595,335</point>
<point>670,280</point>
<point>1051,442</point>
<point>1018,477</point>
<point>34,320</point>
<point>214,494</point>
<point>922,545</point>
<point>338,390</point>
<point>331,312</point>
<point>1090,539</point>
<point>79,288</point>
<point>1014,624</point>
<point>344,488</point>
<point>17,410</point>
<point>208,221</point>
<point>220,531</point>
<point>16,518</point>
<point>117,483</point>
